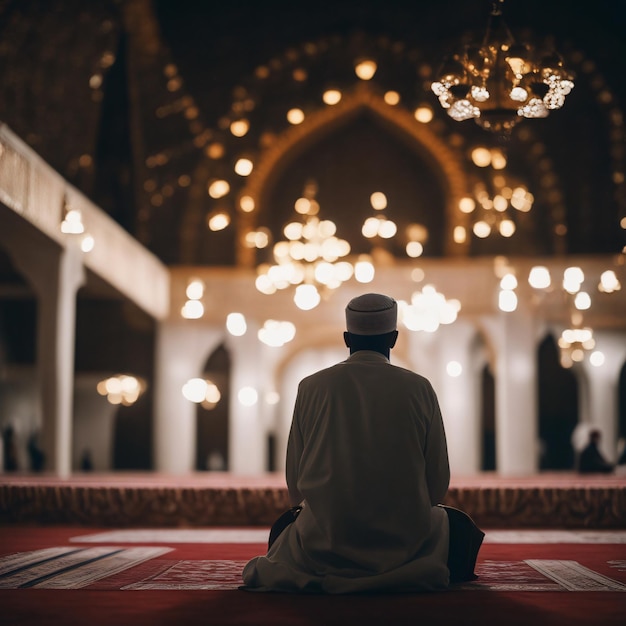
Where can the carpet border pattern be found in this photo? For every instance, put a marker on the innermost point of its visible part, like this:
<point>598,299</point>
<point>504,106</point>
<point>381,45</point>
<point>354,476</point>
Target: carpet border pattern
<point>602,507</point>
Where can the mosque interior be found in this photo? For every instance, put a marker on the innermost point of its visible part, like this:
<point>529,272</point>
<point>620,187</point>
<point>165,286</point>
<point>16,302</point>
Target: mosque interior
<point>229,138</point>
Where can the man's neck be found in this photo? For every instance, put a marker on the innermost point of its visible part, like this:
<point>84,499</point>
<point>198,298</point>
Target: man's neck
<point>386,353</point>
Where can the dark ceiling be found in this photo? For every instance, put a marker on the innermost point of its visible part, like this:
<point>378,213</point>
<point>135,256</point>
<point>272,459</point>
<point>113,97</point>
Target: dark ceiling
<point>89,87</point>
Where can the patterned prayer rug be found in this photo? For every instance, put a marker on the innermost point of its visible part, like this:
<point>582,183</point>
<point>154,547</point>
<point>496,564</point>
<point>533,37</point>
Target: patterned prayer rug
<point>118,566</point>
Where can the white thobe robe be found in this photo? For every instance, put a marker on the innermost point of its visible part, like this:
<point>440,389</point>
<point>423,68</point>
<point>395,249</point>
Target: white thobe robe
<point>367,458</point>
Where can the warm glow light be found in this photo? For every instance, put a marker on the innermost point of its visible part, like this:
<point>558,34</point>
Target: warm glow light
<point>192,310</point>
<point>482,229</point>
<point>460,234</point>
<point>73,223</point>
<point>236,324</point>
<point>609,282</point>
<point>573,278</point>
<point>248,396</point>
<point>215,150</point>
<point>370,227</point>
<point>246,203</point>
<point>244,167</point>
<point>332,96</point>
<point>195,390</point>
<point>423,114</point>
<point>195,289</point>
<point>582,301</point>
<point>467,205</point>
<point>218,189</point>
<point>508,281</point>
<point>302,206</point>
<point>539,277</point>
<point>507,228</point>
<point>212,396</point>
<point>265,284</point>
<point>391,98</point>
<point>306,297</point>
<point>295,116</point>
<point>507,301</point>
<point>387,229</point>
<point>574,274</point>
<point>309,258</point>
<point>218,221</point>
<point>414,249</point>
<point>481,157</point>
<point>428,310</point>
<point>417,232</point>
<point>597,358</point>
<point>121,389</point>
<point>88,243</point>
<point>498,82</point>
<point>276,334</point>
<point>454,369</point>
<point>257,239</point>
<point>498,160</point>
<point>499,203</point>
<point>366,69</point>
<point>378,200</point>
<point>239,128</point>
<point>364,272</point>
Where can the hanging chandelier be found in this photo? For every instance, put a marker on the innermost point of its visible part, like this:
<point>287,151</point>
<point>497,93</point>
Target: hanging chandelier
<point>428,309</point>
<point>311,258</point>
<point>497,201</point>
<point>501,82</point>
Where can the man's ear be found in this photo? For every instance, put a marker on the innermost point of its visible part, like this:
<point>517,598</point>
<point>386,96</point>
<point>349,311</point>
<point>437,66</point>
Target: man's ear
<point>346,338</point>
<point>393,340</point>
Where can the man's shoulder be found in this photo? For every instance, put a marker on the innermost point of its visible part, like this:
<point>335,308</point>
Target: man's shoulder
<point>323,373</point>
<point>408,375</point>
<point>390,370</point>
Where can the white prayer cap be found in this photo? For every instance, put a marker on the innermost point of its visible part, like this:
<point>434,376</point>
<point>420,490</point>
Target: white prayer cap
<point>371,314</point>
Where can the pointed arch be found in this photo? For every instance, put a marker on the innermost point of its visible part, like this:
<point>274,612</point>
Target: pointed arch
<point>318,124</point>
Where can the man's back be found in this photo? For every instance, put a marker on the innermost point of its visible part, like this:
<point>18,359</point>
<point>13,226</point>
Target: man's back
<point>368,463</point>
<point>361,435</point>
<point>367,455</point>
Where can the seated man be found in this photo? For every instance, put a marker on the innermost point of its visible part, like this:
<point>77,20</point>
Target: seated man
<point>591,460</point>
<point>367,466</point>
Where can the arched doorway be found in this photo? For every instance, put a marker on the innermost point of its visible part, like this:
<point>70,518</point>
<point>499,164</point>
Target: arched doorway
<point>359,157</point>
<point>621,407</point>
<point>558,408</point>
<point>488,420</point>
<point>212,418</point>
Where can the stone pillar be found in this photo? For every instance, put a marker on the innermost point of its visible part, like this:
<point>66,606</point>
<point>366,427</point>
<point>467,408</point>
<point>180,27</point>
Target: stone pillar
<point>246,435</point>
<point>56,273</point>
<point>514,336</point>
<point>600,409</point>
<point>94,424</point>
<point>459,397</point>
<point>424,355</point>
<point>181,350</point>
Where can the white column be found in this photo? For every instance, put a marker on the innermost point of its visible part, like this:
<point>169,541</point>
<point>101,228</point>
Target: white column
<point>246,435</point>
<point>181,349</point>
<point>424,354</point>
<point>56,275</point>
<point>516,393</point>
<point>459,397</point>
<point>94,424</point>
<point>602,388</point>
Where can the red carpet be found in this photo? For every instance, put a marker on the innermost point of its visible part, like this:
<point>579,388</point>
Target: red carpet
<point>513,587</point>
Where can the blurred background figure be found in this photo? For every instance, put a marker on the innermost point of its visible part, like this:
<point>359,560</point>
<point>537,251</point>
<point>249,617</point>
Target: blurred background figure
<point>591,459</point>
